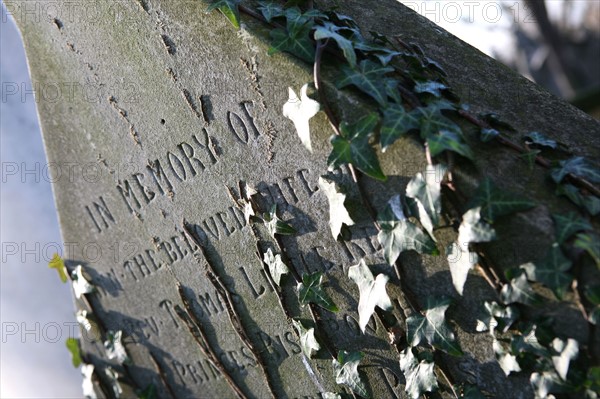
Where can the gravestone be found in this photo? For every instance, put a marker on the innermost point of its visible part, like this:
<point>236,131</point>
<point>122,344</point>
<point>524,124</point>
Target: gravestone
<point>158,117</point>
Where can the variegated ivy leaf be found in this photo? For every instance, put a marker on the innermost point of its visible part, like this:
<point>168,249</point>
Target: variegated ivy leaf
<point>507,361</point>
<point>461,261</point>
<point>398,234</point>
<point>310,291</point>
<point>275,225</point>
<point>495,202</point>
<point>80,284</point>
<point>474,229</point>
<point>338,215</point>
<point>497,317</point>
<point>308,342</point>
<point>565,351</point>
<point>229,8</point>
<point>87,370</point>
<point>57,263</point>
<point>113,379</point>
<point>114,347</point>
<point>345,369</point>
<point>518,289</point>
<point>431,327</point>
<point>425,190</point>
<point>568,224</point>
<point>418,372</point>
<point>276,266</point>
<point>552,271</point>
<point>372,292</point>
<point>299,111</point>
<point>73,347</point>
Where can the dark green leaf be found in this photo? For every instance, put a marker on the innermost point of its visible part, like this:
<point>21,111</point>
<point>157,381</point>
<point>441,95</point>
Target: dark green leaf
<point>398,234</point>
<point>418,372</point>
<point>497,317</point>
<point>308,342</point>
<point>332,31</point>
<point>592,293</point>
<point>539,139</point>
<point>57,263</point>
<point>590,243</point>
<point>383,54</point>
<point>487,135</point>
<point>270,10</point>
<point>461,262</point>
<point>519,290</point>
<point>148,393</point>
<point>425,189</point>
<point>577,166</point>
<point>369,77</point>
<point>371,290</point>
<point>552,271</point>
<point>338,215</point>
<point>530,157</point>
<point>589,202</point>
<point>352,146</point>
<point>446,140</point>
<point>432,87</point>
<point>474,229</point>
<point>299,44</point>
<point>495,202</point>
<point>345,369</point>
<point>276,266</point>
<point>432,327</point>
<point>433,122</point>
<point>396,123</point>
<point>310,291</point>
<point>73,347</point>
<point>275,225</point>
<point>468,391</point>
<point>569,224</point>
<point>229,8</point>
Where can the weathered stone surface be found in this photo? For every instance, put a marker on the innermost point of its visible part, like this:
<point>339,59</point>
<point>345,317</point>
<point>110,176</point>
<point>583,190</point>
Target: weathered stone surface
<point>164,110</point>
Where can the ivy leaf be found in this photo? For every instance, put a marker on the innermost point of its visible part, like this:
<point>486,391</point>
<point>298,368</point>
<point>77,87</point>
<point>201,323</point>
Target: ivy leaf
<point>270,10</point>
<point>398,234</point>
<point>87,385</point>
<point>275,225</point>
<point>310,291</point>
<point>506,360</point>
<point>352,146</point>
<point>530,157</point>
<point>372,292</point>
<point>592,293</point>
<point>345,369</point>
<point>332,31</point>
<point>578,166</point>
<point>589,243</point>
<point>57,263</point>
<point>383,54</point>
<point>396,123</point>
<point>551,271</point>
<point>80,284</point>
<point>495,202</point>
<point>474,229</point>
<point>460,262</point>
<point>425,189</point>
<point>73,347</point>
<point>446,140</point>
<point>432,87</point>
<point>369,77</point>
<point>276,266</point>
<point>564,353</point>
<point>81,317</point>
<point>308,342</point>
<point>114,347</point>
<point>148,393</point>
<point>569,224</point>
<point>299,111</point>
<point>546,382</point>
<point>229,8</point>
<point>487,135</point>
<point>518,289</point>
<point>331,395</point>
<point>432,327</point>
<point>418,372</point>
<point>295,39</point>
<point>432,120</point>
<point>338,215</point>
<point>588,202</point>
<point>540,140</point>
<point>467,391</point>
<point>113,379</point>
<point>497,317</point>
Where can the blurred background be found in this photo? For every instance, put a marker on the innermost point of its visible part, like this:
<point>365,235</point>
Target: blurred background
<point>555,43</point>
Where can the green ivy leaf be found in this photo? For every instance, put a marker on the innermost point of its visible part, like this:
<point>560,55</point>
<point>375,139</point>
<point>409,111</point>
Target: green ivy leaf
<point>372,292</point>
<point>57,263</point>
<point>474,229</point>
<point>567,225</point>
<point>590,243</point>
<point>518,289</point>
<point>345,369</point>
<point>530,157</point>
<point>352,146</point>
<point>80,284</point>
<point>148,393</point>
<point>338,215</point>
<point>398,234</point>
<point>507,361</point>
<point>433,122</point>
<point>446,140</point>
<point>461,262</point>
<point>432,327</point>
<point>369,77</point>
<point>418,372</point>
<point>87,371</point>
<point>275,225</point>
<point>432,87</point>
<point>396,123</point>
<point>528,341</point>
<point>270,10</point>
<point>331,31</point>
<point>73,347</point>
<point>310,291</point>
<point>276,266</point>
<point>588,202</point>
<point>295,39</point>
<point>497,317</point>
<point>551,271</point>
<point>299,111</point>
<point>539,139</point>
<point>592,293</point>
<point>383,54</point>
<point>487,135</point>
<point>308,342</point>
<point>578,166</point>
<point>564,352</point>
<point>495,202</point>
<point>114,347</point>
<point>229,8</point>
<point>425,189</point>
